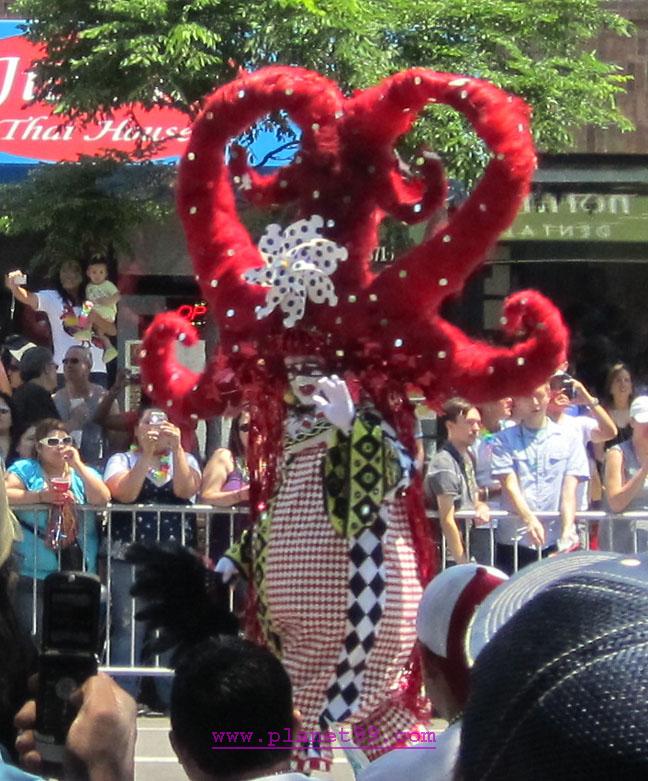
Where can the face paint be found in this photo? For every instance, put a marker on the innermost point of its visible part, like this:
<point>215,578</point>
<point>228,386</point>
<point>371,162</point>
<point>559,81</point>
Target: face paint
<point>303,375</point>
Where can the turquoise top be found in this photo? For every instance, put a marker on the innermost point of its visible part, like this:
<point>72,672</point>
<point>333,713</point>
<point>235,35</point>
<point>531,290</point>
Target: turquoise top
<point>34,557</point>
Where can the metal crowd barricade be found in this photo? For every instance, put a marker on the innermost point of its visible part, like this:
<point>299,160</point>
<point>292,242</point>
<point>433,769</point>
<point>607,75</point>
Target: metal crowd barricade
<point>218,527</point>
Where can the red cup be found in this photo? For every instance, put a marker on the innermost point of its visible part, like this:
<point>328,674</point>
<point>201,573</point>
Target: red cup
<point>60,484</point>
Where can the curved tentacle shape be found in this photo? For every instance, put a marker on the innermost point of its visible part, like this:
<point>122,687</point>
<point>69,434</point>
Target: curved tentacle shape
<point>348,173</point>
<point>185,393</point>
<point>439,267</point>
<point>481,372</point>
<point>414,200</point>
<point>218,242</point>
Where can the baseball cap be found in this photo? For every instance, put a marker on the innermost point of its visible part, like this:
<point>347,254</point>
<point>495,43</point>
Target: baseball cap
<point>448,603</point>
<point>558,692</point>
<point>639,409</point>
<point>500,605</point>
<point>17,347</point>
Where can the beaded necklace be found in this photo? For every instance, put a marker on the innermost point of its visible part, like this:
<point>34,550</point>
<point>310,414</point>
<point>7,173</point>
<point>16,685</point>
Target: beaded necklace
<point>158,474</point>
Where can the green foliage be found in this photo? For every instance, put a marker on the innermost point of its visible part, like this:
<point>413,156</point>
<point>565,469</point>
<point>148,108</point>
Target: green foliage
<point>101,54</point>
<point>104,53</point>
<point>85,207</point>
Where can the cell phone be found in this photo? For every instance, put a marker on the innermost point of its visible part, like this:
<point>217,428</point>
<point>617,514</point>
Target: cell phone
<point>19,279</point>
<point>157,418</point>
<point>563,382</point>
<point>69,655</point>
<point>567,386</point>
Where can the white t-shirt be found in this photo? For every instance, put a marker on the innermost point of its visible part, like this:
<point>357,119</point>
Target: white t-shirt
<point>433,762</point>
<point>51,303</point>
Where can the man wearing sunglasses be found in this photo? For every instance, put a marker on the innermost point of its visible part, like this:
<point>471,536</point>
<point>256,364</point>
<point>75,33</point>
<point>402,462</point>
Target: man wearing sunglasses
<point>77,403</point>
<point>33,400</point>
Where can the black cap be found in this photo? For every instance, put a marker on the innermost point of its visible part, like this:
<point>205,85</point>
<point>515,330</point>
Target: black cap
<point>560,691</point>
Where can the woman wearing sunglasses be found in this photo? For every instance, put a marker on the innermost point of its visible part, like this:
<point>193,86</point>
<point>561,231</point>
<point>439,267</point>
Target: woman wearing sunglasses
<point>56,476</point>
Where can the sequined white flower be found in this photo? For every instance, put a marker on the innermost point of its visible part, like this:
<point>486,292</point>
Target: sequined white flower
<point>299,262</point>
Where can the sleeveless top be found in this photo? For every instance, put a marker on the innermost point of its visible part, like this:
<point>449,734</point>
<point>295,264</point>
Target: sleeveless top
<point>630,468</point>
<point>142,524</point>
<point>623,534</point>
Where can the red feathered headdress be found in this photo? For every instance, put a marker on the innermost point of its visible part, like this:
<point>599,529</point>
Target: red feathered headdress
<point>344,181</point>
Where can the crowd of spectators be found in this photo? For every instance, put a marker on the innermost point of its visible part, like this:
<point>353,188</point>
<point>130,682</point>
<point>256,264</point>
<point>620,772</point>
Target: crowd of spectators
<point>539,462</point>
<point>520,469</point>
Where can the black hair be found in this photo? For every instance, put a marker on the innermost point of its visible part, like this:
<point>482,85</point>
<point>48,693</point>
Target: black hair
<point>612,373</point>
<point>451,410</point>
<point>235,444</point>
<point>65,294</point>
<point>34,362</point>
<point>231,685</point>
<point>106,258</point>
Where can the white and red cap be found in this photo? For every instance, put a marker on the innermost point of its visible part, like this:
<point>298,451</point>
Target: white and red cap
<point>449,603</point>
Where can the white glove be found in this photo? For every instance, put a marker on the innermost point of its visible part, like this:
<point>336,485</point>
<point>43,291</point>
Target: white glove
<point>334,400</point>
<point>226,569</point>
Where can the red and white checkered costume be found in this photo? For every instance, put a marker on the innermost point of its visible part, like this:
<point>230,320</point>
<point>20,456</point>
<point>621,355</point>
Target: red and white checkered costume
<point>308,569</point>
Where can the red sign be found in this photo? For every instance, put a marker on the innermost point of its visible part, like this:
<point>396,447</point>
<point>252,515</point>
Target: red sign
<point>29,129</point>
<point>193,312</point>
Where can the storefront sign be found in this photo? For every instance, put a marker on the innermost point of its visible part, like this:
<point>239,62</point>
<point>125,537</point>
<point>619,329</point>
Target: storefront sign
<point>29,130</point>
<point>582,217</point>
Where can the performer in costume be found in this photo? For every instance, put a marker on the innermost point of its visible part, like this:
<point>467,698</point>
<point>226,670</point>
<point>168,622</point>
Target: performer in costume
<point>334,565</point>
<point>309,291</point>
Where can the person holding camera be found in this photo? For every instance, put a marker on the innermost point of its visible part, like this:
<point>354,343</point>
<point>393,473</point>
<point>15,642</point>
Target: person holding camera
<point>155,471</point>
<point>595,427</point>
<point>62,305</point>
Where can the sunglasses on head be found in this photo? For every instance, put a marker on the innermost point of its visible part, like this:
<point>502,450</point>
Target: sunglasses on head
<point>55,441</point>
<point>71,360</point>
